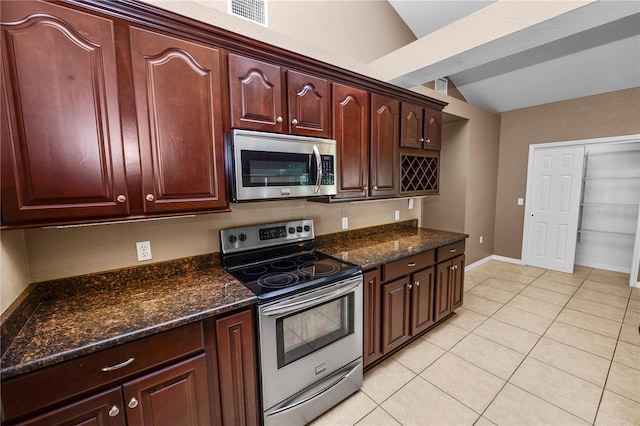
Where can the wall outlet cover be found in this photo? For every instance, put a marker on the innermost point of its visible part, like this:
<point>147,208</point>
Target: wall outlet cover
<point>144,250</point>
<point>345,223</point>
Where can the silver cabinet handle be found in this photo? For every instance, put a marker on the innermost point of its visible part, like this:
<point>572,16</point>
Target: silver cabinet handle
<point>417,283</point>
<point>114,411</point>
<point>133,403</point>
<point>451,268</point>
<point>279,119</point>
<point>294,122</point>
<point>117,366</point>
<point>452,250</point>
<point>319,168</point>
<point>411,264</point>
<point>421,139</point>
<point>121,198</point>
<point>409,286</point>
<point>150,197</point>
<point>375,188</point>
<point>428,141</point>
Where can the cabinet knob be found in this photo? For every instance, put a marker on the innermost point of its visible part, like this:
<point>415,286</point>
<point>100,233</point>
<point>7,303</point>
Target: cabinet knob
<point>375,187</point>
<point>409,286</point>
<point>114,411</point>
<point>451,268</point>
<point>121,198</point>
<point>428,141</point>
<point>366,187</point>
<point>417,283</point>
<point>133,403</point>
<point>294,121</point>
<point>455,267</point>
<point>279,119</point>
<point>421,139</point>
<point>150,197</point>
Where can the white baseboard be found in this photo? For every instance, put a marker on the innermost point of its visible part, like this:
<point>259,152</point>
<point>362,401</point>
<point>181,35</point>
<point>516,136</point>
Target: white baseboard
<point>490,258</point>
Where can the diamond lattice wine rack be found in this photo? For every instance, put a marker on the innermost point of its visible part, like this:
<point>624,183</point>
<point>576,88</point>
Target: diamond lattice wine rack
<point>420,173</point>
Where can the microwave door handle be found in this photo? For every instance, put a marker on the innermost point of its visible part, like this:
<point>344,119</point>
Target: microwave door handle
<point>319,169</point>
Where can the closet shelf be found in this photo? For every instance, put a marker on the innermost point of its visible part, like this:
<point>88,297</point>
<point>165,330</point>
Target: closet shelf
<point>591,203</point>
<point>598,231</point>
<point>610,177</point>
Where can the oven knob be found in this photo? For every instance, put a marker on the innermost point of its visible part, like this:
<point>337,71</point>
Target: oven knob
<point>292,230</point>
<point>233,239</point>
<point>243,237</point>
<point>307,228</point>
<point>299,229</point>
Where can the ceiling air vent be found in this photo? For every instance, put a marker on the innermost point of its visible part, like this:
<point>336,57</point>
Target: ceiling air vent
<point>252,10</point>
<point>441,85</point>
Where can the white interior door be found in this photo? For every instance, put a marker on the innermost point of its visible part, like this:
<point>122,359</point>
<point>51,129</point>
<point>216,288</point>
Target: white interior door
<point>555,207</point>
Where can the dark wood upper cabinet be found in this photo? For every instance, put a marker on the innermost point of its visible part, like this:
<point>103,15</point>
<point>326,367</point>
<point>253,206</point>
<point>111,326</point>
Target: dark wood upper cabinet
<point>62,151</point>
<point>351,132</point>
<point>257,100</point>
<point>385,161</point>
<point>421,127</point>
<point>179,114</point>
<point>177,395</point>
<point>308,105</point>
<point>255,90</point>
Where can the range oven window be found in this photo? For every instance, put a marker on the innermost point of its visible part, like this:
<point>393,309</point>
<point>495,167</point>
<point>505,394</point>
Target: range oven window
<point>305,332</point>
<point>264,168</point>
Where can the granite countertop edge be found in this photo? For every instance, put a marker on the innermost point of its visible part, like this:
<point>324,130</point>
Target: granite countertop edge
<point>368,248</point>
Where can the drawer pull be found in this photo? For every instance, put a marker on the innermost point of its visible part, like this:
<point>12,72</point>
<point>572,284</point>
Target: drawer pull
<point>411,264</point>
<point>133,403</point>
<point>117,366</point>
<point>452,250</point>
<point>114,411</point>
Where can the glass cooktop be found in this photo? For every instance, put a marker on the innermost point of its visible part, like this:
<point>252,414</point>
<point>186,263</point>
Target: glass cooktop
<point>292,274</point>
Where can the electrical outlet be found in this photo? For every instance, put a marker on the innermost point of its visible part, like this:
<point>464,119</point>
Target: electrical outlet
<point>345,223</point>
<point>521,201</point>
<point>481,239</point>
<point>396,215</point>
<point>410,203</point>
<point>144,250</point>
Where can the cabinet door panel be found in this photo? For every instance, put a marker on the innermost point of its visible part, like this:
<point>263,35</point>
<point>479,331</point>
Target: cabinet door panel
<point>442,291</point>
<point>385,160</point>
<point>62,153</point>
<point>372,307</point>
<point>255,90</point>
<point>178,394</point>
<point>422,301</point>
<point>350,129</point>
<point>395,314</point>
<point>308,105</point>
<point>457,282</point>
<point>237,369</point>
<point>433,121</point>
<point>177,89</point>
<point>412,127</point>
<point>104,409</point>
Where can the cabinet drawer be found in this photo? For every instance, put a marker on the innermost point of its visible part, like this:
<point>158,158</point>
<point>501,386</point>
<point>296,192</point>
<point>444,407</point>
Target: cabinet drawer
<point>449,251</point>
<point>407,265</point>
<point>52,385</point>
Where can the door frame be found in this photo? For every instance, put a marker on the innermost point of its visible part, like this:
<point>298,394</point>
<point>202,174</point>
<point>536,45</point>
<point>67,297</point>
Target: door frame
<point>635,138</point>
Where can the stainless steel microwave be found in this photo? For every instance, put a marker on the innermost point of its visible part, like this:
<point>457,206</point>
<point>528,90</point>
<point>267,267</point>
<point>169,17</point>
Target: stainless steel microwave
<point>273,166</point>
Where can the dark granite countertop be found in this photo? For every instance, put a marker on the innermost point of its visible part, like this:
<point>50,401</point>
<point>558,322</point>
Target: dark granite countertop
<point>61,320</point>
<point>373,247</point>
<point>64,319</point>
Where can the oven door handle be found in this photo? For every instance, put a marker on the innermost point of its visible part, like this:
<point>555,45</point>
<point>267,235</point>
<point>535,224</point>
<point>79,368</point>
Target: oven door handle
<point>318,168</point>
<point>284,308</point>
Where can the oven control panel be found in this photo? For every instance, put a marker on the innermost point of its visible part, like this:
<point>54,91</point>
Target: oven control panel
<point>267,235</point>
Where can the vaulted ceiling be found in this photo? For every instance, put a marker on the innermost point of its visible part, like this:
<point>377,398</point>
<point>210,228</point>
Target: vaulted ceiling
<point>504,55</point>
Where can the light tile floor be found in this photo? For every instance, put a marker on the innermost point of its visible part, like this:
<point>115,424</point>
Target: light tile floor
<point>528,347</point>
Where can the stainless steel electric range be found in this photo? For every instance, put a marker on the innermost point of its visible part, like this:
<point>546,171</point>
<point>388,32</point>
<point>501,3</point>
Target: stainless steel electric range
<point>309,318</point>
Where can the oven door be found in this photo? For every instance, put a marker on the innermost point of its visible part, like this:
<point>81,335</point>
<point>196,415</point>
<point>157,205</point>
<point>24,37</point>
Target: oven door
<point>268,166</point>
<point>307,338</point>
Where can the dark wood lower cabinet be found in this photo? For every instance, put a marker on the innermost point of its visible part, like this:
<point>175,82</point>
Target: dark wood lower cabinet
<point>449,287</point>
<point>372,314</point>
<point>176,395</point>
<point>237,369</point>
<point>104,409</point>
<point>422,300</point>
<point>395,313</point>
